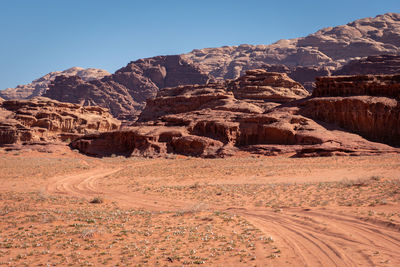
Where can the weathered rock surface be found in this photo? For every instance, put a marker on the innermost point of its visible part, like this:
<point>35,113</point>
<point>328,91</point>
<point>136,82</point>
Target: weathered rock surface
<point>259,91</point>
<point>267,86</point>
<point>365,104</point>
<point>43,119</point>
<point>372,85</point>
<point>126,91</point>
<point>304,75</point>
<point>39,86</point>
<point>213,121</point>
<point>105,93</point>
<point>330,47</point>
<point>382,64</point>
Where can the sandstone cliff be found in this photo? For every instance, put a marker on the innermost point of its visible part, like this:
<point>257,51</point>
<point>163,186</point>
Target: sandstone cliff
<point>225,118</point>
<point>43,119</point>
<point>382,64</point>
<point>366,104</point>
<point>39,86</point>
<point>372,85</point>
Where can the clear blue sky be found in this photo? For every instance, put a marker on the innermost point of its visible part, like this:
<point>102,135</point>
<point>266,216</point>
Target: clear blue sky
<point>40,36</point>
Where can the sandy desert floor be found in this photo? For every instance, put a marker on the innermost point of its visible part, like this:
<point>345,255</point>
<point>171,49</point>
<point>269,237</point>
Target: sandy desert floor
<point>242,211</point>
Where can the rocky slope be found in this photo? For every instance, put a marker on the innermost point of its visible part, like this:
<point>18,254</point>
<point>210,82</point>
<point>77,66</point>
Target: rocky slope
<point>46,120</point>
<point>39,86</point>
<point>330,47</point>
<point>221,119</point>
<point>126,91</point>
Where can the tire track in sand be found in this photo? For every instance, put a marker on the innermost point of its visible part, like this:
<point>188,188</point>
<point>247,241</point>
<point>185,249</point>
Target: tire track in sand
<point>315,237</point>
<point>326,238</point>
<point>86,185</point>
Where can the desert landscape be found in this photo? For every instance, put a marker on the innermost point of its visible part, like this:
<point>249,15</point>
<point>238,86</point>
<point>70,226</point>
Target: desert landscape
<point>285,154</point>
<point>67,209</point>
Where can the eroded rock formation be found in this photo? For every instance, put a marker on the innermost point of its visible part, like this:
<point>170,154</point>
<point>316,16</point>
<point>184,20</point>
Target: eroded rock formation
<point>372,85</point>
<point>365,104</point>
<point>43,119</point>
<point>267,86</point>
<point>222,119</point>
<point>382,64</point>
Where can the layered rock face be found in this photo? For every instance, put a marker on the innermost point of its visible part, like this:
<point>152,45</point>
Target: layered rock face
<point>382,64</point>
<point>126,91</point>
<point>39,86</point>
<point>304,75</point>
<point>330,47</point>
<point>43,119</point>
<point>372,85</point>
<point>105,93</point>
<point>221,119</point>
<point>267,86</point>
<point>366,104</point>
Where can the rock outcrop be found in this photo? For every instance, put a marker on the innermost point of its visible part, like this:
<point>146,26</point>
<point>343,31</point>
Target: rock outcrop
<point>221,119</point>
<point>366,104</point>
<point>304,75</point>
<point>382,64</point>
<point>126,91</point>
<point>371,85</point>
<point>267,86</point>
<point>259,91</point>
<point>43,119</point>
<point>39,86</point>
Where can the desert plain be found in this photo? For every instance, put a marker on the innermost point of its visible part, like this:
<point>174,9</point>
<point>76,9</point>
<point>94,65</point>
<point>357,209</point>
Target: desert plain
<point>64,208</point>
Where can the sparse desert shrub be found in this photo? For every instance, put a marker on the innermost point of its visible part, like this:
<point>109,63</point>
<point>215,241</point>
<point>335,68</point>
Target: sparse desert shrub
<point>195,186</point>
<point>375,178</point>
<point>97,200</point>
<point>357,182</point>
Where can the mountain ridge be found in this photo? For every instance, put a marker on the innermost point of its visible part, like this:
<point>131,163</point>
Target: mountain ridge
<point>303,58</point>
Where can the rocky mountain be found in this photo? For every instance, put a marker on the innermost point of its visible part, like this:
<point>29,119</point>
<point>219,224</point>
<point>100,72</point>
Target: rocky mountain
<point>46,120</point>
<point>260,113</point>
<point>330,47</point>
<point>39,86</point>
<point>126,91</point>
<point>302,59</point>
